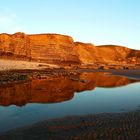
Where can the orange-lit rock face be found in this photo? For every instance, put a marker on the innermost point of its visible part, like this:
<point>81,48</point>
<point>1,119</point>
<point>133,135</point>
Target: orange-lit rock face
<point>50,48</point>
<point>90,54</point>
<point>53,48</point>
<point>58,89</point>
<point>118,54</point>
<point>86,52</point>
<point>15,45</point>
<point>61,49</point>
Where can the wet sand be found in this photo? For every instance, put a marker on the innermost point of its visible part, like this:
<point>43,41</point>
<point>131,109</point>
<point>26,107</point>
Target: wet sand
<point>119,126</point>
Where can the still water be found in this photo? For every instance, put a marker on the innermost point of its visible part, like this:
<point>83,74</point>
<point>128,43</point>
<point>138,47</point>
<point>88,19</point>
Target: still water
<point>29,102</point>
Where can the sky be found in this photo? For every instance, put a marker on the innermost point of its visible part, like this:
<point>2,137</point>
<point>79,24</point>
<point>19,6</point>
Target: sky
<point>90,21</point>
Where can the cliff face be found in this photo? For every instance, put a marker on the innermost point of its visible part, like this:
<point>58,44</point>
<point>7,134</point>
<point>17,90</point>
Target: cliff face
<point>15,46</point>
<point>61,49</point>
<point>53,48</point>
<point>86,53</point>
<point>119,54</point>
<point>50,48</point>
<point>90,54</point>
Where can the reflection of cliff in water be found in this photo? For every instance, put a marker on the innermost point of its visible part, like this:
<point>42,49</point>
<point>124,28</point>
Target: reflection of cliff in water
<point>56,89</point>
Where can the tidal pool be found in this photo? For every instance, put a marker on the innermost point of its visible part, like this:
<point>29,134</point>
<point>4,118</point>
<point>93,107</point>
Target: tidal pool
<point>29,102</point>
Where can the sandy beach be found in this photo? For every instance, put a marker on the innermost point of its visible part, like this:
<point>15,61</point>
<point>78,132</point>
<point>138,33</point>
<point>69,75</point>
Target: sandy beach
<point>6,65</point>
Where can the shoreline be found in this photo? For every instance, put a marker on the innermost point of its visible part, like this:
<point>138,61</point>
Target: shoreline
<point>11,76</point>
<point>14,71</point>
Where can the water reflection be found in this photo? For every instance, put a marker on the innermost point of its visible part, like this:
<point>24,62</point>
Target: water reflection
<point>56,89</point>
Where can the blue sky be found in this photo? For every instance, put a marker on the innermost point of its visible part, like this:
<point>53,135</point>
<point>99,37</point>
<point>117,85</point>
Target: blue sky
<point>96,21</point>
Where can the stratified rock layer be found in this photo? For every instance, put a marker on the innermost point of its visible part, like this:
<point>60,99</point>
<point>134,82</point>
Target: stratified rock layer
<point>50,48</point>
<point>62,50</point>
<point>90,54</point>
